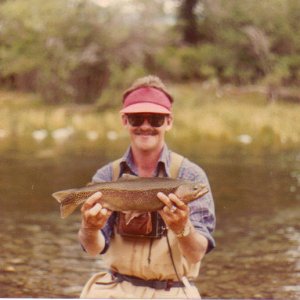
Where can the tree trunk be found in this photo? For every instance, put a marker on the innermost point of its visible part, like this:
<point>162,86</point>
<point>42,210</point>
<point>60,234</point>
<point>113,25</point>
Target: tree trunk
<point>188,21</point>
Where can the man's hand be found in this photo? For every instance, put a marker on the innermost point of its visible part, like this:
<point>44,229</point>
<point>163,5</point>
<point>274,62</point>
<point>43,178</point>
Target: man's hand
<point>94,216</point>
<point>176,215</point>
<point>175,212</point>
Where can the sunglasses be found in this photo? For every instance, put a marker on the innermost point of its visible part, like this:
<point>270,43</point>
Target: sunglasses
<point>155,120</point>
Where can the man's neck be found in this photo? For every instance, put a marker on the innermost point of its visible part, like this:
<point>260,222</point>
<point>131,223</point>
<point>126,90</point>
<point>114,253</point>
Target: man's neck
<point>146,161</point>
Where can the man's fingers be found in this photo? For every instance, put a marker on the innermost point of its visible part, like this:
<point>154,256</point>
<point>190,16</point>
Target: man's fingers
<point>172,202</point>
<point>91,201</point>
<point>104,212</point>
<point>168,214</point>
<point>94,215</point>
<point>95,209</point>
<point>176,200</point>
<point>165,199</point>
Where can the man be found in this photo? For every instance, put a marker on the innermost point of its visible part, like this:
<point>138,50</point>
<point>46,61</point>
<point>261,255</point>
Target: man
<point>155,261</point>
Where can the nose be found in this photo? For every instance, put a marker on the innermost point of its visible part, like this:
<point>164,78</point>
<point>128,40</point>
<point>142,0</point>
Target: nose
<point>145,124</point>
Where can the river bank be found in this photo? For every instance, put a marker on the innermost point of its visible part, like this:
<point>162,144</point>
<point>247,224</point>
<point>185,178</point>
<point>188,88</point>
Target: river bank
<point>202,113</point>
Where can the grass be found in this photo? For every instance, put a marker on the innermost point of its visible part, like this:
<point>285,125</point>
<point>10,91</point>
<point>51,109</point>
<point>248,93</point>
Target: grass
<point>201,113</point>
<point>228,115</point>
<point>22,114</point>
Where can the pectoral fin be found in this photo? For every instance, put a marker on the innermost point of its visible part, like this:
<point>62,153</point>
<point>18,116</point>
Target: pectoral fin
<point>129,216</point>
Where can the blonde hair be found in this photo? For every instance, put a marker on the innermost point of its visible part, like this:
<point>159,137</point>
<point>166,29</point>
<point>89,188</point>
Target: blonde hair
<point>148,81</point>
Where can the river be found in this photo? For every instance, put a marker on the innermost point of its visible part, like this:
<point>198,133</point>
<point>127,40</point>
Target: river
<point>258,220</point>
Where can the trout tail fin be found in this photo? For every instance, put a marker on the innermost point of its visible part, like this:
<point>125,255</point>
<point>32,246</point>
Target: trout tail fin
<point>66,205</point>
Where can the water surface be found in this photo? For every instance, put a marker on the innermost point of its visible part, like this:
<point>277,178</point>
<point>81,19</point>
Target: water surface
<point>258,238</point>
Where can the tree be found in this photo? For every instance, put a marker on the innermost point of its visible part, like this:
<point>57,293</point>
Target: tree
<point>70,50</point>
<point>188,21</point>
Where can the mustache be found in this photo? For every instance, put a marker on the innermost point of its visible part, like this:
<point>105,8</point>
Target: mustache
<point>139,131</point>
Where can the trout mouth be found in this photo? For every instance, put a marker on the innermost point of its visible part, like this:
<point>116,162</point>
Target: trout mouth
<point>191,192</point>
<point>202,190</point>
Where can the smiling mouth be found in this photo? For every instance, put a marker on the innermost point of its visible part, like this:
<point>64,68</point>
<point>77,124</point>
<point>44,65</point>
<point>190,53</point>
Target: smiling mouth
<point>146,133</point>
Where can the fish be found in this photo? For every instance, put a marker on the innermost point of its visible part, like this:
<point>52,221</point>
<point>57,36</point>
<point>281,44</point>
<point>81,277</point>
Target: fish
<point>130,194</point>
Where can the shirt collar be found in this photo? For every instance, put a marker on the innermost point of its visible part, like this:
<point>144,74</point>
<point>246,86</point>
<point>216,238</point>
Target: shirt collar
<point>163,164</point>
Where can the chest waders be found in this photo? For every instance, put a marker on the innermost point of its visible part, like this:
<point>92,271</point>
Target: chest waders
<point>175,164</point>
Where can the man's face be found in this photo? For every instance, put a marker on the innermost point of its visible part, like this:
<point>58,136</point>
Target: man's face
<point>147,130</point>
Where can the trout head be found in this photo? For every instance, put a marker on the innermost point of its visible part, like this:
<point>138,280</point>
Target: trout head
<point>190,191</point>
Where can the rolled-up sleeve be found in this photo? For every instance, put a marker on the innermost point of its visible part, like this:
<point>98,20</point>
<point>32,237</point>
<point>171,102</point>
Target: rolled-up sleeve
<point>107,231</point>
<point>202,210</point>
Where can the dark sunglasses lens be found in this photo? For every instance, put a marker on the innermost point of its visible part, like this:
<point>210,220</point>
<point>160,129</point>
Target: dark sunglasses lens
<point>156,120</point>
<point>135,120</point>
<point>138,120</point>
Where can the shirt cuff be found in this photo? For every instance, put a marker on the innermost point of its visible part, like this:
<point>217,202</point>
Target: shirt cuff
<point>106,239</point>
<point>211,242</point>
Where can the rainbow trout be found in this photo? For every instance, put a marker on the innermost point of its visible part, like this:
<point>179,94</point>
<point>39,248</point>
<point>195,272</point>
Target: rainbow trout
<point>130,193</point>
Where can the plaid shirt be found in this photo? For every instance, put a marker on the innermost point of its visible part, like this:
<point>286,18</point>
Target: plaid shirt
<point>202,211</point>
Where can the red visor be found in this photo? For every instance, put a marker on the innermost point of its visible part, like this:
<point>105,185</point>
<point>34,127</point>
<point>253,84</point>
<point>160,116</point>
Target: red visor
<point>147,100</point>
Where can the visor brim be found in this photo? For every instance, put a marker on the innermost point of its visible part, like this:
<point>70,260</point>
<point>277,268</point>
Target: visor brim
<point>145,107</point>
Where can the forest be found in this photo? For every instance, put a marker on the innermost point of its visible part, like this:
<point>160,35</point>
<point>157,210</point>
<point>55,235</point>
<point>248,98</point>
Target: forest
<point>74,51</point>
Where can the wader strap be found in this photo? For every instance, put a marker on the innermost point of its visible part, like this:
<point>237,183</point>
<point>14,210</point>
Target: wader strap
<point>176,161</point>
<point>116,169</point>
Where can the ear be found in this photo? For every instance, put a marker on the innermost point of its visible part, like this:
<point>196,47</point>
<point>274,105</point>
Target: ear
<point>124,120</point>
<point>169,122</point>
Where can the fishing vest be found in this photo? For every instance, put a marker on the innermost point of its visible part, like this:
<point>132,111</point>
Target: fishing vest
<point>148,258</point>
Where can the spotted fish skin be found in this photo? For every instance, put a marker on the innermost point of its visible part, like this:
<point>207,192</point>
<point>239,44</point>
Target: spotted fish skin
<point>130,194</point>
